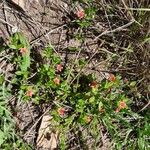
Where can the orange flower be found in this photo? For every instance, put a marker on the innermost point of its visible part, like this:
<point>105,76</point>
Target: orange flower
<point>88,119</point>
<point>122,105</point>
<point>59,67</point>
<point>57,81</point>
<point>23,51</point>
<point>29,93</point>
<point>93,84</point>
<point>112,77</point>
<point>61,111</point>
<point>80,14</point>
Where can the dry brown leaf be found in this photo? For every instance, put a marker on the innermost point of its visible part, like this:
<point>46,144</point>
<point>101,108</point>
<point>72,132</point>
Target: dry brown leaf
<point>46,138</point>
<point>53,141</point>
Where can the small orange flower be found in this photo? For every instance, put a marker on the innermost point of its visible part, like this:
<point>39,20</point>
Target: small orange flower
<point>57,81</point>
<point>61,111</point>
<point>80,14</point>
<point>29,93</point>
<point>59,67</point>
<point>112,77</point>
<point>93,84</point>
<point>122,105</point>
<point>88,119</point>
<point>23,51</point>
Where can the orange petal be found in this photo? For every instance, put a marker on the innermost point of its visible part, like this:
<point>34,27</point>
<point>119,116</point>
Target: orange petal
<point>57,81</point>
<point>61,111</point>
<point>23,51</point>
<point>122,105</point>
<point>112,77</point>
<point>80,14</point>
<point>59,67</point>
<point>93,84</point>
<point>29,93</point>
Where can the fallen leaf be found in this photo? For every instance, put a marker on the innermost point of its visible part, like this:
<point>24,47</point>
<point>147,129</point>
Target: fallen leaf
<point>53,141</point>
<point>46,139</point>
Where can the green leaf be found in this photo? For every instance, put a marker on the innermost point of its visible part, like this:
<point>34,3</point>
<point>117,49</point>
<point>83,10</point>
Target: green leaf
<point>48,52</point>
<point>12,46</point>
<point>92,99</point>
<point>2,137</point>
<point>25,63</point>
<point>133,83</point>
<point>100,105</point>
<point>2,78</point>
<point>18,73</point>
<point>56,59</point>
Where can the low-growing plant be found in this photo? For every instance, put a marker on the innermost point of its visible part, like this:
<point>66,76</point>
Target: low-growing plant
<point>81,104</point>
<point>85,109</point>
